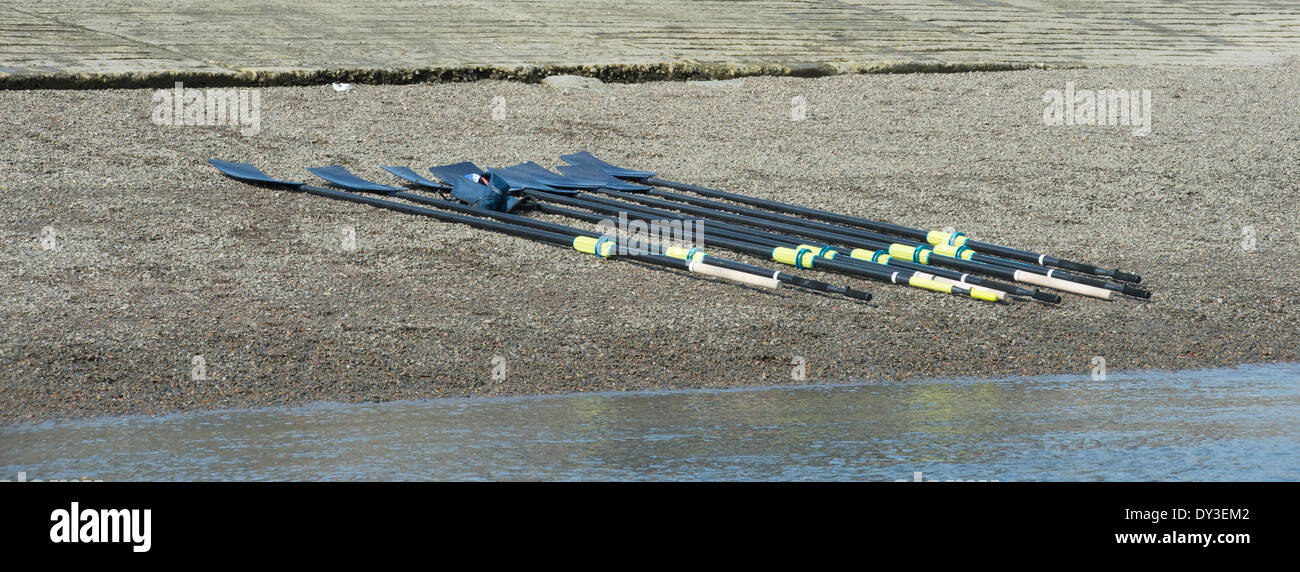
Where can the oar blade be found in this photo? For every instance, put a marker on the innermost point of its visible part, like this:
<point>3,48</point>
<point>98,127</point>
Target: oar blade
<point>521,179</point>
<point>518,181</point>
<point>544,176</point>
<point>456,171</point>
<point>341,177</point>
<point>586,158</point>
<point>250,173</point>
<point>605,180</point>
<point>409,175</point>
<point>489,197</point>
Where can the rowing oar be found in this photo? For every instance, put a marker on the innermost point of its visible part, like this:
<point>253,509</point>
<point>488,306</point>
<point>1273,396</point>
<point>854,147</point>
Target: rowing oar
<point>665,199</point>
<point>801,251</point>
<point>459,172</point>
<point>530,175</point>
<point>923,253</point>
<point>779,250</point>
<point>915,258</point>
<point>603,248</point>
<point>786,251</point>
<point>695,259</point>
<point>933,237</point>
<point>599,180</point>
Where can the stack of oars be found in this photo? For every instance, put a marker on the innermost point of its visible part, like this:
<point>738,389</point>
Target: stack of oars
<point>594,191</point>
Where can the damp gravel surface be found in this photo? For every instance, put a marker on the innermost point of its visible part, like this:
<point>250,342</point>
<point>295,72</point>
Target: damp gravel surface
<point>172,288</point>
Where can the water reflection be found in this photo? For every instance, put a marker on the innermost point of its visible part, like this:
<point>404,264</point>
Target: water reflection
<point>1225,424</point>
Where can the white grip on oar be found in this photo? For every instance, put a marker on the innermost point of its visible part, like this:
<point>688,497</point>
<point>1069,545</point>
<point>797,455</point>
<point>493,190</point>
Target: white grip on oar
<point>1065,285</point>
<point>735,275</point>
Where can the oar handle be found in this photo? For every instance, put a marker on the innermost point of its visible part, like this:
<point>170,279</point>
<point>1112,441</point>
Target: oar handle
<point>1125,276</point>
<point>1046,296</point>
<point>1134,291</point>
<point>1057,283</point>
<point>859,294</point>
<point>734,275</point>
<point>1098,271</point>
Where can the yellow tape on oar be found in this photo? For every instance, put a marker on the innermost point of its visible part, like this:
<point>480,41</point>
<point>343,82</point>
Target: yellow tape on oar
<point>932,282</point>
<point>690,255</point>
<point>929,284</point>
<point>602,247</point>
<point>954,251</point>
<point>920,253</point>
<point>972,290</point>
<point>937,237</point>
<point>878,256</point>
<point>803,257</point>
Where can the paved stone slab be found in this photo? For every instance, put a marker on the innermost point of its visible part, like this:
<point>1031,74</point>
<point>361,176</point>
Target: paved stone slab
<point>150,42</point>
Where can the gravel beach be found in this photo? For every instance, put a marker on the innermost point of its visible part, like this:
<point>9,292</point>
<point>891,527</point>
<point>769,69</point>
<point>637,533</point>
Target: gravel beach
<point>157,258</point>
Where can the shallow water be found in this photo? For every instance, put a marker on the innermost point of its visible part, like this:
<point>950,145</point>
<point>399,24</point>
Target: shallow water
<point>1235,424</point>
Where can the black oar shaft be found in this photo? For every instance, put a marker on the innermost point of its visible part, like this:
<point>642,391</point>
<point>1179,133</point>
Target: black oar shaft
<point>524,232</point>
<point>895,229</point>
<point>614,206</point>
<point>572,232</point>
<point>822,231</point>
<point>900,230</point>
<point>773,240</point>
<point>583,244</point>
<point>694,260</point>
<point>955,257</point>
<point>757,246</point>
